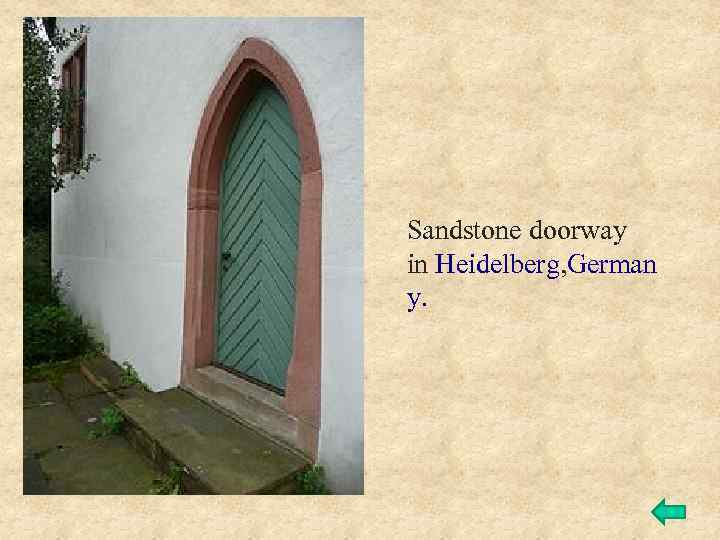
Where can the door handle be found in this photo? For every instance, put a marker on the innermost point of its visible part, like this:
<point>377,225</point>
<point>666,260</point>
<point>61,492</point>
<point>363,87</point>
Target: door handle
<point>226,259</point>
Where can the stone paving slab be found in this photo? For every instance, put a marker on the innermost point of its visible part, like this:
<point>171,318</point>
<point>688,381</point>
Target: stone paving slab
<point>105,371</point>
<point>75,386</point>
<point>108,466</point>
<point>40,394</point>
<point>50,427</point>
<point>34,481</point>
<point>59,457</point>
<point>106,375</point>
<point>87,408</point>
<point>222,454</point>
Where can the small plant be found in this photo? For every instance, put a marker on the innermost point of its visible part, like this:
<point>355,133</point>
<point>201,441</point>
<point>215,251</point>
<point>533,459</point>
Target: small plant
<point>130,376</point>
<point>311,481</point>
<point>52,333</point>
<point>111,420</point>
<point>40,285</point>
<point>170,484</point>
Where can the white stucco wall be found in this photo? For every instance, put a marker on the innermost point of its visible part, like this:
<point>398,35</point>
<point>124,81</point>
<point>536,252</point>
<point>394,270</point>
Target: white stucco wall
<point>119,236</point>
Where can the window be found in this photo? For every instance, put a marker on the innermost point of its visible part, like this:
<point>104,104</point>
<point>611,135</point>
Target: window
<point>72,136</point>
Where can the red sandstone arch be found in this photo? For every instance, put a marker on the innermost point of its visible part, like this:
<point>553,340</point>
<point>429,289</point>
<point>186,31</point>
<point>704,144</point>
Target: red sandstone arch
<point>254,61</point>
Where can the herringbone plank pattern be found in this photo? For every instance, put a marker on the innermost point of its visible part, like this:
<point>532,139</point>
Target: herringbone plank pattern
<point>260,201</point>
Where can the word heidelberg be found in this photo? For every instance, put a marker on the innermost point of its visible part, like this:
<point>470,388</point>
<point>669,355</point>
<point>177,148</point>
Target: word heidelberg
<point>460,230</point>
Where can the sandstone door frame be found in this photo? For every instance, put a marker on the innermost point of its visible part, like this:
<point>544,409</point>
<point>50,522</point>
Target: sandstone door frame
<point>254,61</point>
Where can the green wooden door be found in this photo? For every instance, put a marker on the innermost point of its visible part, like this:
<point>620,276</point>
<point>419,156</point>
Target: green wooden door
<point>260,200</point>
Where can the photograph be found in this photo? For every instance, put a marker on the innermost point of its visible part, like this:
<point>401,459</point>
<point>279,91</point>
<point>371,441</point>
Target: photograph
<point>193,255</point>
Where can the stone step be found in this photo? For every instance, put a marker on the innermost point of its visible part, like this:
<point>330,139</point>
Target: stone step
<point>219,454</point>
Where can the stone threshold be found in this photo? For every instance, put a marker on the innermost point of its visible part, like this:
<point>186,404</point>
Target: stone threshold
<point>219,454</point>
<point>256,407</point>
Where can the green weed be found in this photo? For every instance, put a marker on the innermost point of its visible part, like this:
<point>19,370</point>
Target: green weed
<point>130,377</point>
<point>111,423</point>
<point>312,481</point>
<point>170,484</point>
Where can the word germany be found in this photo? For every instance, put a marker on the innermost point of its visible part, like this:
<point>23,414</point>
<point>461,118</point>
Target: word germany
<point>460,230</point>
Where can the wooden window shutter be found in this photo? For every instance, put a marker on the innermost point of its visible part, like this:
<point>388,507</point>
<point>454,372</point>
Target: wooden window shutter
<point>73,79</point>
<point>79,89</point>
<point>64,135</point>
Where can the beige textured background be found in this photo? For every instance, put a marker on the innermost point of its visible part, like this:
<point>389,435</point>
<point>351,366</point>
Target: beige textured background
<point>511,408</point>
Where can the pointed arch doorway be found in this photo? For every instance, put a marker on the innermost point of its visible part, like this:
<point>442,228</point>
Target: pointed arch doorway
<point>269,335</point>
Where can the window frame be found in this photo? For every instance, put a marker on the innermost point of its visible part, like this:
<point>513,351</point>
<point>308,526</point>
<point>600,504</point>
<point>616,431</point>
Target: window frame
<point>73,77</point>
